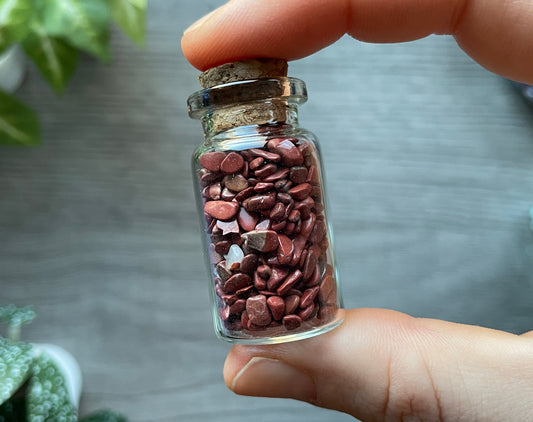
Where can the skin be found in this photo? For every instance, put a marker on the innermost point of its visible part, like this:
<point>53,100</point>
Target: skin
<point>496,33</point>
<point>381,365</point>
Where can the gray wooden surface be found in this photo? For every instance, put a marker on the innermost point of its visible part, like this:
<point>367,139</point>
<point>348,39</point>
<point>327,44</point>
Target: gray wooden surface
<point>429,161</point>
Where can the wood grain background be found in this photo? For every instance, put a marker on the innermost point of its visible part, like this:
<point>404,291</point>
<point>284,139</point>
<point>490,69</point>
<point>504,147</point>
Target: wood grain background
<point>429,163</point>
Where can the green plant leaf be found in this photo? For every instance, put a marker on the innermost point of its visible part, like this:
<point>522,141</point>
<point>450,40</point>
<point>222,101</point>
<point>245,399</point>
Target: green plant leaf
<point>14,18</point>
<point>55,58</point>
<point>47,397</point>
<point>19,124</point>
<point>15,366</point>
<point>13,315</point>
<point>130,16</point>
<point>15,318</point>
<point>13,410</point>
<point>82,23</point>
<point>104,416</point>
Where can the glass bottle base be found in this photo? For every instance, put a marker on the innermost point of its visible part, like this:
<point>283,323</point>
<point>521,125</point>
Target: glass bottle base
<point>277,335</point>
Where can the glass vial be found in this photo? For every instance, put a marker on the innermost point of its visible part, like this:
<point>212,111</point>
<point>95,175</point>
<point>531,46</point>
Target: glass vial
<point>260,190</point>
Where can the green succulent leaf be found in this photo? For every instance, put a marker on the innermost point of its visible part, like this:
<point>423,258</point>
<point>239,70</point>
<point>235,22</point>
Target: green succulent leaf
<point>130,16</point>
<point>47,397</point>
<point>19,124</point>
<point>55,58</point>
<point>13,315</point>
<point>104,416</point>
<point>14,18</point>
<point>13,410</point>
<point>15,366</point>
<point>82,23</point>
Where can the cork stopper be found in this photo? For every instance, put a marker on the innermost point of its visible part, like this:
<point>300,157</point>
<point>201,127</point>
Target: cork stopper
<point>243,70</point>
<point>239,111</point>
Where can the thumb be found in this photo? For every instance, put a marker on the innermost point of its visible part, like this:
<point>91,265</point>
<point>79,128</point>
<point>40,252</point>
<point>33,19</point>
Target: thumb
<point>384,365</point>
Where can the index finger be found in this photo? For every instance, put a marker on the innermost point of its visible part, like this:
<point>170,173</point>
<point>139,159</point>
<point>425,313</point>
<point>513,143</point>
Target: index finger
<point>496,33</point>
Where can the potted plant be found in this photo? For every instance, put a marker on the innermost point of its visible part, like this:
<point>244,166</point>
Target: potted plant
<point>52,34</point>
<point>39,382</point>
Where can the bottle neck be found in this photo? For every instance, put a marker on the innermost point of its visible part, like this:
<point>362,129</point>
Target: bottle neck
<point>254,118</point>
<point>247,103</point>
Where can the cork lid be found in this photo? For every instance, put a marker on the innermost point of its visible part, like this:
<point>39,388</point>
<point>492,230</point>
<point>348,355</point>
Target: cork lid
<point>243,70</point>
<point>247,92</point>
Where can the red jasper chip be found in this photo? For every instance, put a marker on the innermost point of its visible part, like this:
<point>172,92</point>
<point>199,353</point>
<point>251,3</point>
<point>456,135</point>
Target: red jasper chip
<point>235,182</point>
<point>247,220</point>
<point>232,163</point>
<point>290,154</point>
<point>318,232</point>
<point>212,160</point>
<point>291,322</point>
<point>248,263</point>
<point>277,213</point>
<point>222,247</point>
<point>214,191</point>
<point>259,282</point>
<point>308,225</point>
<point>261,240</point>
<point>277,307</point>
<point>227,195</point>
<point>221,210</point>
<point>298,174</point>
<point>224,313</point>
<point>207,177</point>
<point>237,307</point>
<point>278,275</point>
<point>327,293</point>
<point>264,271</point>
<point>278,175</point>
<point>312,175</point>
<point>289,282</point>
<point>270,156</point>
<point>243,194</point>
<point>301,191</point>
<point>308,296</point>
<point>262,187</point>
<point>285,249</point>
<point>265,171</point>
<point>257,310</point>
<point>256,163</point>
<point>260,202</point>
<point>291,304</point>
<point>294,216</point>
<point>236,282</point>
<point>307,312</point>
<point>315,278</point>
<point>279,226</point>
<point>309,265</point>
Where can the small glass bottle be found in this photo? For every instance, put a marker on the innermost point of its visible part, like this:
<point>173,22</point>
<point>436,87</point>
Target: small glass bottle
<point>260,191</point>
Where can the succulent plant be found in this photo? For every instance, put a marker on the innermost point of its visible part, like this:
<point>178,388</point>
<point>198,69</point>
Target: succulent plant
<point>33,387</point>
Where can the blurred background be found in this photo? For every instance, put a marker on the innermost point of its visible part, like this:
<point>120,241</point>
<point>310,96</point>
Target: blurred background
<point>429,165</point>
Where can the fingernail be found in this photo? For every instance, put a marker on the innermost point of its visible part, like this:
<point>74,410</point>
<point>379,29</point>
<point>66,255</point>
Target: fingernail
<point>201,21</point>
<point>267,377</point>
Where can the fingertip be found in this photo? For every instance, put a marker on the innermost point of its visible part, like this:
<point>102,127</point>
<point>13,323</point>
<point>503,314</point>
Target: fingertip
<point>244,29</point>
<point>234,363</point>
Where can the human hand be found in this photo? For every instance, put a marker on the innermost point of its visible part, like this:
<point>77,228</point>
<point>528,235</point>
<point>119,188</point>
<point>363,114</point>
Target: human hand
<point>382,365</point>
<point>379,364</point>
<point>498,34</point>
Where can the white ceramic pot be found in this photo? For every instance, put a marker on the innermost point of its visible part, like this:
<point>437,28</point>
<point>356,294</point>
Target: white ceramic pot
<point>12,68</point>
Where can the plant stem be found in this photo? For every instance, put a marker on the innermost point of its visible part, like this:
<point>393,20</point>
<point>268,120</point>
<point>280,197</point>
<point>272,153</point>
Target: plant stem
<point>13,332</point>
